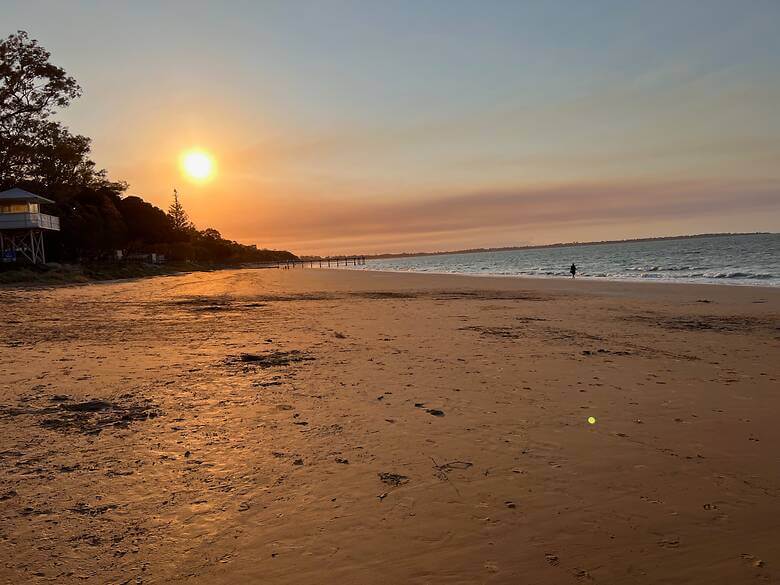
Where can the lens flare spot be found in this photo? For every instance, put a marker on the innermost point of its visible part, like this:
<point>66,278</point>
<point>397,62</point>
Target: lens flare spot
<point>592,420</point>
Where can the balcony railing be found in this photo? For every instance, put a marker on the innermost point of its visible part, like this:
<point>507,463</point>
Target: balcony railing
<point>26,221</point>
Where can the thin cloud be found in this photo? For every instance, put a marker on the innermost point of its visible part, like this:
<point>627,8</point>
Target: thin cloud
<point>521,209</point>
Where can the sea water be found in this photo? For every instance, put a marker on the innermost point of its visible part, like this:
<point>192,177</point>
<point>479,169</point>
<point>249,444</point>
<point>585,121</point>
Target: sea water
<point>746,259</point>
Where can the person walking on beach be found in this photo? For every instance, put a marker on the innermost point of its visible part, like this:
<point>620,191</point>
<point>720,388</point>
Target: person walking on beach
<point>573,270</point>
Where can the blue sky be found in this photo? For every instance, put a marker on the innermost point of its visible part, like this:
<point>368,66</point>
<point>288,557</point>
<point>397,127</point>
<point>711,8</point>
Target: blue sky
<point>432,125</point>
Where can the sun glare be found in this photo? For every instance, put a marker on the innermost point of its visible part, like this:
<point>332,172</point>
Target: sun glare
<point>197,165</point>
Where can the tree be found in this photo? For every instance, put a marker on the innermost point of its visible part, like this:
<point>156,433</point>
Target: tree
<point>211,234</point>
<point>92,224</point>
<point>31,87</point>
<point>33,148</point>
<point>146,224</point>
<point>180,221</point>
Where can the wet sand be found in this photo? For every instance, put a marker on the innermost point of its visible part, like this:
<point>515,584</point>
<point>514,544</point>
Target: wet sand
<point>318,426</point>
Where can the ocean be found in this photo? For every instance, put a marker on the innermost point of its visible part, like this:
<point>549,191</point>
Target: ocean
<point>745,260</point>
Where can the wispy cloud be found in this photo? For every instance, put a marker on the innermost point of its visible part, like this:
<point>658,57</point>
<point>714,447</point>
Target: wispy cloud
<point>543,213</point>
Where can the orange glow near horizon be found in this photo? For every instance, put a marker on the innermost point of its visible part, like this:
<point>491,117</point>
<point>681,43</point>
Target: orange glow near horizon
<point>197,165</point>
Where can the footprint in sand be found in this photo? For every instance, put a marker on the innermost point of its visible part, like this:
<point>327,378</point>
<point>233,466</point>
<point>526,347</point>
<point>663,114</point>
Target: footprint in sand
<point>582,574</point>
<point>755,562</point>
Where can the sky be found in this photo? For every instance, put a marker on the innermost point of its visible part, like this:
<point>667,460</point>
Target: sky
<point>366,126</point>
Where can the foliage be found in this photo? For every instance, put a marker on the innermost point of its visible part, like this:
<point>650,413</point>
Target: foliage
<point>33,148</point>
<point>146,224</point>
<point>178,217</point>
<point>31,85</point>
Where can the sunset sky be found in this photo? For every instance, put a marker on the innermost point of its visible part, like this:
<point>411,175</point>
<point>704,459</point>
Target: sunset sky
<point>348,127</point>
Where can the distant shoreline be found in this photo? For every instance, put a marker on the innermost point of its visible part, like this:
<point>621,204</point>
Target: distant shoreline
<point>560,245</point>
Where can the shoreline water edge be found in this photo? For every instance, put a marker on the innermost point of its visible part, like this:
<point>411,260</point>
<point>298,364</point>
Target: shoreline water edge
<point>744,260</point>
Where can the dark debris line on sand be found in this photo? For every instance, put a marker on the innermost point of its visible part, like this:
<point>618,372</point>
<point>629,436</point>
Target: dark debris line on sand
<point>393,479</point>
<point>718,323</point>
<point>89,417</point>
<point>431,411</point>
<point>271,359</point>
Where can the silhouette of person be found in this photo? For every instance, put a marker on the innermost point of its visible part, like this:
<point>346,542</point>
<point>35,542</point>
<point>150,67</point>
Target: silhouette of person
<point>573,270</point>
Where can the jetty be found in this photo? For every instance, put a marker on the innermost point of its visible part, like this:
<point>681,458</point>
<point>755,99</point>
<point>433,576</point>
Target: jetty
<point>329,262</point>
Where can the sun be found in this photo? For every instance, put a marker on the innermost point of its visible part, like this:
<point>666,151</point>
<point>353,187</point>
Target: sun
<point>197,165</point>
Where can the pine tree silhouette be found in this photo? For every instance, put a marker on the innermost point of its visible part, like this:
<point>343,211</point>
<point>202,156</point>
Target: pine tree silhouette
<point>179,218</point>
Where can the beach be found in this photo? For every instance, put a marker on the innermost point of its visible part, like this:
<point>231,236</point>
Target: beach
<point>315,426</point>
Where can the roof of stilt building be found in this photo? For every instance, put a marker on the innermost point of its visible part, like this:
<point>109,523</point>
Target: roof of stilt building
<point>17,194</point>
